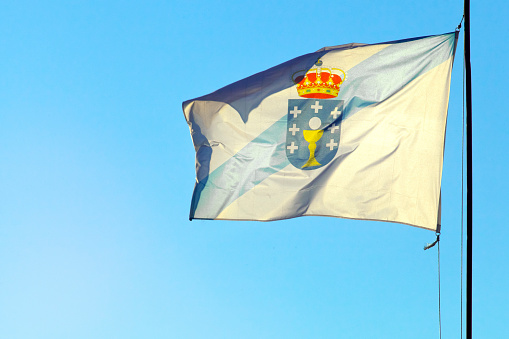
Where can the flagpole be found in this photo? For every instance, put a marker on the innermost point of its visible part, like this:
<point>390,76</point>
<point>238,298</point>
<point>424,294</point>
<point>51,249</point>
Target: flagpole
<point>469,166</point>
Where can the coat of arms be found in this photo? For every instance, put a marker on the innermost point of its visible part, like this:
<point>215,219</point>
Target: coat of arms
<point>314,123</point>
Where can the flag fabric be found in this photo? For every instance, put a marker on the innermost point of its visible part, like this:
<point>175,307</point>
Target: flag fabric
<point>352,131</point>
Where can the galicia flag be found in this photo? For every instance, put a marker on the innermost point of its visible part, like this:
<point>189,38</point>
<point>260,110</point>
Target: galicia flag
<point>352,131</point>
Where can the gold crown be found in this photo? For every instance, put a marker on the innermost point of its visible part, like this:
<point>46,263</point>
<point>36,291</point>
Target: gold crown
<point>319,82</point>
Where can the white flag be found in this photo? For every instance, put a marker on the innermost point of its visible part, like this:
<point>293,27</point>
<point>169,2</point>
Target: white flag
<point>353,131</point>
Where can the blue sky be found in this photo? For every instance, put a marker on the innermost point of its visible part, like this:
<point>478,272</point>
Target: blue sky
<point>97,172</point>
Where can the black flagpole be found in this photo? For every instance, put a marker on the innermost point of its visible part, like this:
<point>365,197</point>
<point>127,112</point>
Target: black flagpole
<point>469,167</point>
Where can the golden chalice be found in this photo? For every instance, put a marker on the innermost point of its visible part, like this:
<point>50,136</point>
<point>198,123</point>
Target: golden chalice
<point>312,137</point>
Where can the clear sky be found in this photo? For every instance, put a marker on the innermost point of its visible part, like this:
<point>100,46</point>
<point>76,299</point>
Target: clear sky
<point>97,173</point>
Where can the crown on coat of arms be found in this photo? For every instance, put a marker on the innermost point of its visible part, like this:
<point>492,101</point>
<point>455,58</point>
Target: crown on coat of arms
<point>319,82</point>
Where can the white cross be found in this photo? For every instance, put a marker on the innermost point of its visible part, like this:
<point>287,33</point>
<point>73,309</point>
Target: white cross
<point>335,113</point>
<point>294,129</point>
<point>316,106</point>
<point>331,144</point>
<point>333,128</point>
<point>292,147</point>
<point>295,111</point>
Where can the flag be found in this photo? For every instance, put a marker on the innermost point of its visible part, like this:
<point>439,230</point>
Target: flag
<point>353,131</point>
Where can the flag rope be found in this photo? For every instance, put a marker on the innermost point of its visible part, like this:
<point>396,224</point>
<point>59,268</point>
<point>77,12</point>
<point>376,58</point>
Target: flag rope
<point>439,298</point>
<point>427,247</point>
<point>458,28</point>
<point>459,25</point>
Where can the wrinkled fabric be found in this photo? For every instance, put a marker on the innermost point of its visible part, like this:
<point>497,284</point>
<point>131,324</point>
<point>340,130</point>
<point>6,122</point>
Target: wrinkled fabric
<point>388,163</point>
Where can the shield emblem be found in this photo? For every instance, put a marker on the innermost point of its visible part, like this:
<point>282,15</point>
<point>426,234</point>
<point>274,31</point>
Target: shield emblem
<point>313,131</point>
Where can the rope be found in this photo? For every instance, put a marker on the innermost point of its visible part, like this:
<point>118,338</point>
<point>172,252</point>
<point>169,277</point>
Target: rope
<point>439,311</point>
<point>427,247</point>
<point>459,26</point>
